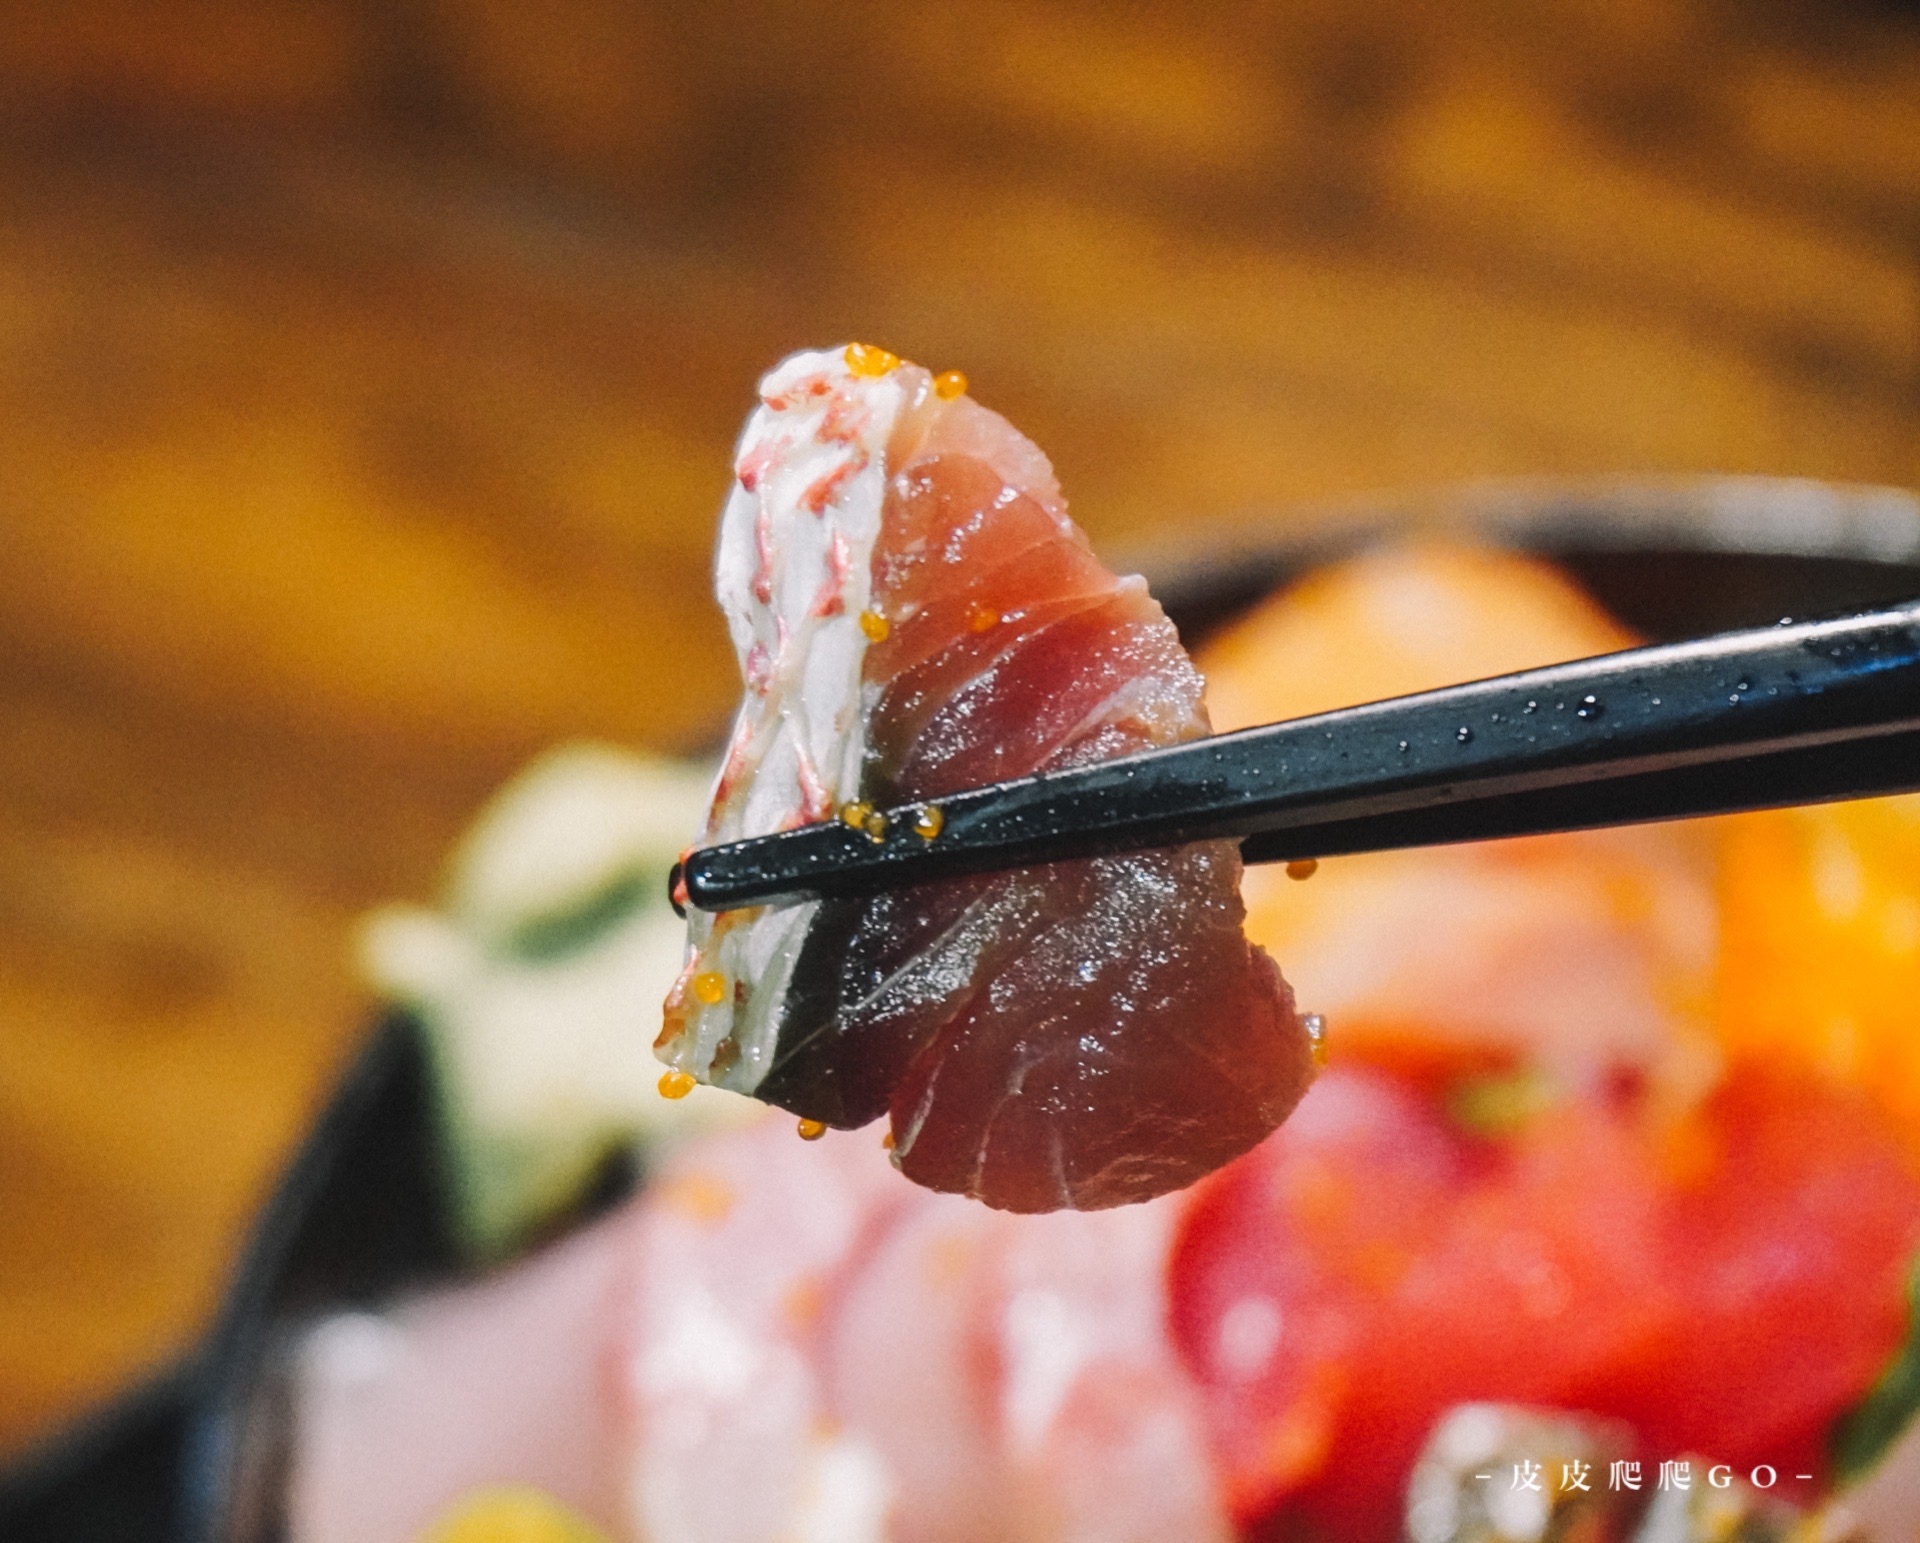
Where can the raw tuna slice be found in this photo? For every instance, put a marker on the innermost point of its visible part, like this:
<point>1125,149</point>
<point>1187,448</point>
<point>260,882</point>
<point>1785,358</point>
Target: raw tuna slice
<point>915,614</point>
<point>1727,1282</point>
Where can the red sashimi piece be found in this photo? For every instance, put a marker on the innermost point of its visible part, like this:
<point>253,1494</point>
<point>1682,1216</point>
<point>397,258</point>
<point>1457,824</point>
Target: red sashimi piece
<point>1030,1098</point>
<point>1082,1035</point>
<point>1792,1246</point>
<point>1102,670</point>
<point>1027,557</point>
<point>1282,1265</point>
<point>1726,1286</point>
<point>1135,1041</point>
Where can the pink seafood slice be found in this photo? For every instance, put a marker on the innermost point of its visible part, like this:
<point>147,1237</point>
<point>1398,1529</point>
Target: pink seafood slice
<point>905,1364</point>
<point>400,1416</point>
<point>1100,1421</point>
<point>819,1350</point>
<point>1044,1401</point>
<point>916,614</point>
<point>738,1249</point>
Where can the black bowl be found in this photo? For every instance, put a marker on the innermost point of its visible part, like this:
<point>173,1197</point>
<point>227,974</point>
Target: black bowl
<point>198,1455</point>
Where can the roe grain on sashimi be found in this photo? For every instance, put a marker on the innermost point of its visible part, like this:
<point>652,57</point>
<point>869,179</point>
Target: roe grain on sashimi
<point>915,614</point>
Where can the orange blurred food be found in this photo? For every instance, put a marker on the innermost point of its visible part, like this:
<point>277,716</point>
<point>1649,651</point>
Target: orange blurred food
<point>1404,618</point>
<point>1820,946</point>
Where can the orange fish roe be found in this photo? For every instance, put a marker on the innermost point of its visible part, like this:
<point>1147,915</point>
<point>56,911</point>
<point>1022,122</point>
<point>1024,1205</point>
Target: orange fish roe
<point>981,618</point>
<point>1303,867</point>
<point>875,825</point>
<point>875,626</point>
<point>811,1130</point>
<point>931,820</point>
<point>676,1084</point>
<point>710,986</point>
<point>1316,1027</point>
<point>886,1142</point>
<point>949,384</point>
<point>871,360</point>
<point>856,814</point>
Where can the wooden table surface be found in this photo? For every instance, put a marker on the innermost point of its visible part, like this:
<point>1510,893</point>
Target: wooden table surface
<point>368,375</point>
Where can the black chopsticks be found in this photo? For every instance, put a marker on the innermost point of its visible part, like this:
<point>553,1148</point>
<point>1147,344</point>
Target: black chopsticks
<point>1795,713</point>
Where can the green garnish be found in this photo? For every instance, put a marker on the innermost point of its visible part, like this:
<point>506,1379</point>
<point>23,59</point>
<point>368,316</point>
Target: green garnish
<point>1863,1436</point>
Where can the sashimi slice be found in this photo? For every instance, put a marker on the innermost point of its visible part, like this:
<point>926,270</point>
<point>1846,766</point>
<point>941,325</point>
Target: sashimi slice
<point>816,1349</point>
<point>399,1418</point>
<point>1101,1424</point>
<point>1045,1402</point>
<point>1726,1284</point>
<point>736,1251</point>
<point>904,1363</point>
<point>915,614</point>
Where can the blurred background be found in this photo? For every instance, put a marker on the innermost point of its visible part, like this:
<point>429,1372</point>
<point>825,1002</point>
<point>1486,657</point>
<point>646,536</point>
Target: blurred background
<point>368,374</point>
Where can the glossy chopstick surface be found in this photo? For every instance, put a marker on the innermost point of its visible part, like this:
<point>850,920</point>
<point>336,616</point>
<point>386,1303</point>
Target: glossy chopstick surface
<point>1800,712</point>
